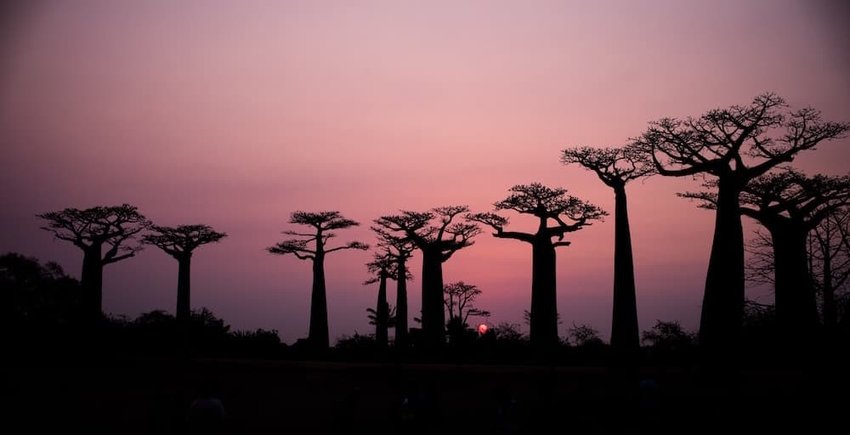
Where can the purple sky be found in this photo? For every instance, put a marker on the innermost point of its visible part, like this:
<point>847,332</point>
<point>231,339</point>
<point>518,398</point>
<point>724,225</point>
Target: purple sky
<point>235,114</point>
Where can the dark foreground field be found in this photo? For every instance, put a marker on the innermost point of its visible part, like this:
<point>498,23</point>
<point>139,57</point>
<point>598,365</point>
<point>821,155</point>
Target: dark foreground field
<point>318,398</point>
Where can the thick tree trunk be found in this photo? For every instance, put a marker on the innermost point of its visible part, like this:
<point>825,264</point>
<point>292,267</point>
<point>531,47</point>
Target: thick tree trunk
<point>382,312</point>
<point>544,308</point>
<point>184,275</point>
<point>91,281</point>
<point>625,336</point>
<point>723,301</point>
<point>433,317</point>
<point>401,305</point>
<point>796,307</point>
<point>318,336</point>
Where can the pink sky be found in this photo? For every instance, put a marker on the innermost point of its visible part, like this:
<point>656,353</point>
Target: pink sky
<point>235,114</point>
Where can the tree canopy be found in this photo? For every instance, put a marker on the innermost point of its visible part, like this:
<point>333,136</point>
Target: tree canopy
<point>116,226</point>
<point>183,239</point>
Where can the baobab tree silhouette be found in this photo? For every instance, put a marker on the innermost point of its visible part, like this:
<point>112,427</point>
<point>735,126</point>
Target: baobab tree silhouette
<point>438,235</point>
<point>180,243</point>
<point>546,204</point>
<point>322,223</point>
<point>382,267</point>
<point>734,145</point>
<point>90,229</point>
<point>789,205</point>
<point>829,264</point>
<point>616,167</point>
<point>399,249</point>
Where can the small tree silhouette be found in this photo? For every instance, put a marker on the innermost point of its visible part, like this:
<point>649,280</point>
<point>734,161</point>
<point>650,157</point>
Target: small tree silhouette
<point>546,204</point>
<point>734,145</point>
<point>790,205</point>
<point>828,251</point>
<point>616,167</point>
<point>459,299</point>
<point>382,267</point>
<point>322,223</point>
<point>400,250</point>
<point>438,235</point>
<point>115,227</point>
<point>668,336</point>
<point>584,336</point>
<point>180,243</point>
<point>829,262</point>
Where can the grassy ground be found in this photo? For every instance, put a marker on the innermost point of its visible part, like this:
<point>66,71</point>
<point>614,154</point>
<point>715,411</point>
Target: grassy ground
<point>153,396</point>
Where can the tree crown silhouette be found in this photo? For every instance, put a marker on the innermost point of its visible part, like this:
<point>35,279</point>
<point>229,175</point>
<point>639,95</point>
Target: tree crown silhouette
<point>719,142</point>
<point>437,228</point>
<point>322,222</point>
<point>384,263</point>
<point>614,166</point>
<point>181,240</point>
<point>111,225</point>
<point>789,194</point>
<point>459,298</point>
<point>547,204</point>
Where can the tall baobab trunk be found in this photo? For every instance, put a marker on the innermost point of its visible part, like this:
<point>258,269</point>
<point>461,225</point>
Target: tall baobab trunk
<point>723,302</point>
<point>544,307</point>
<point>796,307</point>
<point>625,334</point>
<point>401,305</point>
<point>382,312</point>
<point>318,336</point>
<point>433,317</point>
<point>184,276</point>
<point>91,281</point>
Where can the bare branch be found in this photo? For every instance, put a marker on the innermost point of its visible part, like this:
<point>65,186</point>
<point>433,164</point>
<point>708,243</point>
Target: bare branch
<point>350,245</point>
<point>293,246</point>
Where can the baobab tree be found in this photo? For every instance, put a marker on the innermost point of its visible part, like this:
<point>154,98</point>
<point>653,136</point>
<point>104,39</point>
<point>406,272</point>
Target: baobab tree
<point>438,234</point>
<point>734,145</point>
<point>829,262</point>
<point>790,205</point>
<point>180,243</point>
<point>322,223</point>
<point>399,249</point>
<point>546,204</point>
<point>615,167</point>
<point>92,229</point>
<point>828,250</point>
<point>382,267</point>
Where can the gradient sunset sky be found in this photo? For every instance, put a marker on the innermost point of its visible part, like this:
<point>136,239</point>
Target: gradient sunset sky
<point>235,114</point>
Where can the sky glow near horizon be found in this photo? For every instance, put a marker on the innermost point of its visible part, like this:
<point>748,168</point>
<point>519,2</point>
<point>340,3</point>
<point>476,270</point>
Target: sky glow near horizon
<point>237,114</point>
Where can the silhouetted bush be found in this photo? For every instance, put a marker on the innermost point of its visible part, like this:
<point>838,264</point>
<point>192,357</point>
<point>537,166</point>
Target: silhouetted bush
<point>668,335</point>
<point>669,342</point>
<point>36,295</point>
<point>584,336</point>
<point>509,333</point>
<point>357,347</point>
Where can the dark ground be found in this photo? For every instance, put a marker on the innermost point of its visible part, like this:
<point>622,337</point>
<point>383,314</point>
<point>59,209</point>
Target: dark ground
<point>284,397</point>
